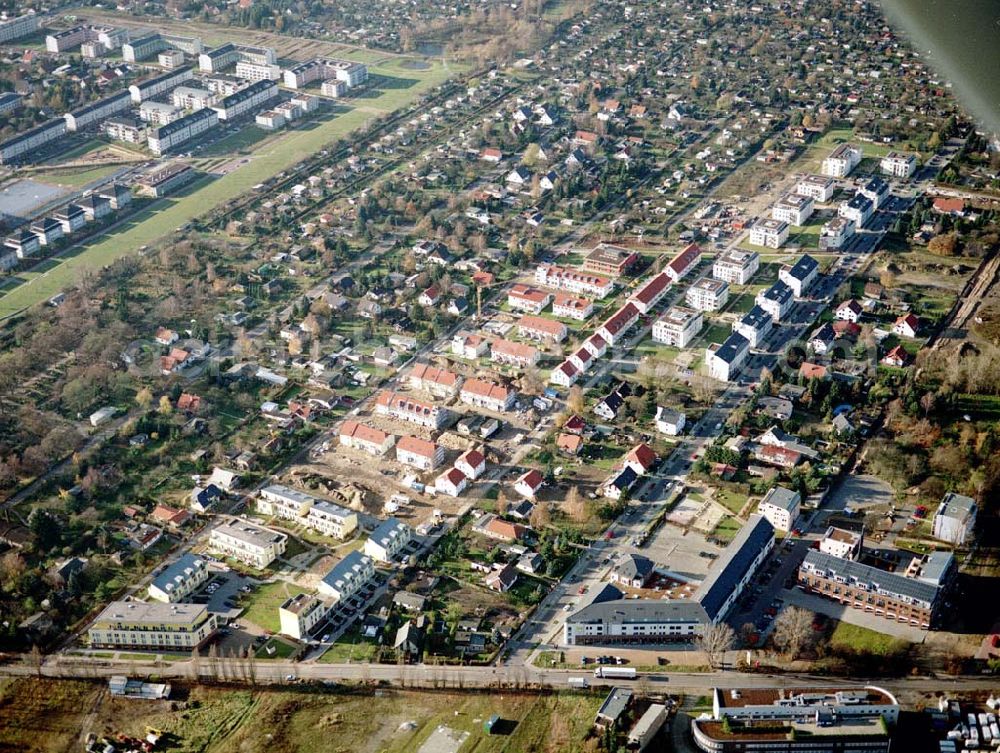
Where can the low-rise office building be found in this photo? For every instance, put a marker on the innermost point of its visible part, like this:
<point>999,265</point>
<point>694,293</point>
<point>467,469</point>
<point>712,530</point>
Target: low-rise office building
<point>152,625</point>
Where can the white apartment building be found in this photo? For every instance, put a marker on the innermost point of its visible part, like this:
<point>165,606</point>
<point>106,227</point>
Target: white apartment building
<point>319,515</point>
<point>858,209</point>
<point>257,71</point>
<point>388,540</point>
<point>678,327</point>
<point>755,326</point>
<point>795,209</point>
<point>152,625</point>
<point>727,360</point>
<point>300,614</point>
<point>842,161</point>
<point>348,576</point>
<point>179,579</point>
<point>169,136</point>
<point>191,98</point>
<point>707,294</point>
<point>819,188</point>
<point>15,28</point>
<point>573,281</point>
<point>322,69</point>
<point>250,544</point>
<point>158,113</point>
<point>781,507</point>
<point>769,233</point>
<point>776,300</point>
<point>801,275</point>
<point>836,233</point>
<point>899,165</point>
<point>839,542</point>
<point>736,267</point>
<point>246,100</point>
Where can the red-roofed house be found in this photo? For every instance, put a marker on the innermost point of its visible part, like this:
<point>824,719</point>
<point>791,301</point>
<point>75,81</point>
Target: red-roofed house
<point>514,353</point>
<point>502,530</point>
<point>491,154</point>
<point>779,456</point>
<point>569,443</point>
<point>572,307</point>
<point>407,409</point>
<point>541,329</point>
<point>565,374</point>
<point>906,326</point>
<point>812,370</point>
<point>472,463</point>
<point>619,323</point>
<point>188,403</point>
<point>170,516</point>
<point>651,293</point>
<point>438,382</point>
<point>575,425</point>
<point>529,483</point>
<point>452,482</point>
<point>581,359</point>
<point>897,357</point>
<point>945,205</point>
<point>524,298</point>
<point>365,438</point>
<point>419,453</point>
<point>849,311</point>
<point>640,459</point>
<point>484,394</point>
<point>430,296</point>
<point>683,263</point>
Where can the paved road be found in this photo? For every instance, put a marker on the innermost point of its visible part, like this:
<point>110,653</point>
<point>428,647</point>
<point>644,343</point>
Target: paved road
<point>420,675</point>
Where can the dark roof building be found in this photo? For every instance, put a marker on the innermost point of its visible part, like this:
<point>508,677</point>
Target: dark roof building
<point>735,568</point>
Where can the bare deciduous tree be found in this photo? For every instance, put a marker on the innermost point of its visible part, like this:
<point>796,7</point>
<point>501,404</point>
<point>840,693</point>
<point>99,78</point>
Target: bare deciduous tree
<point>792,630</point>
<point>715,641</point>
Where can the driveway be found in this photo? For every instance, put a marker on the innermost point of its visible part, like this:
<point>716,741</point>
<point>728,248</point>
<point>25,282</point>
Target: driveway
<point>858,493</point>
<point>852,616</point>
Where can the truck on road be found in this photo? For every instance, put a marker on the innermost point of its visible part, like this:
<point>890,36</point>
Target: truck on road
<point>615,673</point>
<point>578,682</point>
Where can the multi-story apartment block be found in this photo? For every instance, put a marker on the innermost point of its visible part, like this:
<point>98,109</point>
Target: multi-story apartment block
<point>915,597</point>
<point>707,294</point>
<point>170,136</point>
<point>15,28</point>
<point>348,577</point>
<point>725,361</point>
<point>877,190</point>
<point>681,265</point>
<point>859,208</point>
<point>839,542</point>
<point>819,188</point>
<point>300,614</point>
<point>525,298</point>
<point>257,71</point>
<point>836,233</point>
<point>319,515</point>
<point>769,233</point>
<point>678,327</point>
<point>153,87</point>
<point>898,165</point>
<point>755,326</point>
<point>159,113</point>
<point>572,307</point>
<point>440,383</point>
<point>246,100</point>
<point>129,130</point>
<point>795,209</point>
<point>736,266</point>
<point>404,408</point>
<point>955,519</point>
<point>220,58</point>
<point>191,98</point>
<point>388,540</point>
<point>67,39</point>
<point>842,161</point>
<point>801,275</point>
<point>179,579</point>
<point>608,260</point>
<point>248,543</point>
<point>781,507</point>
<point>776,300</point>
<point>25,146</point>
<point>573,281</point>
<point>321,69</point>
<point>618,324</point>
<point>152,625</point>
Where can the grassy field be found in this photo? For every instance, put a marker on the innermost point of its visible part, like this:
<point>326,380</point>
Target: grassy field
<point>75,178</point>
<point>49,716</point>
<point>262,609</point>
<point>157,222</point>
<point>847,636</point>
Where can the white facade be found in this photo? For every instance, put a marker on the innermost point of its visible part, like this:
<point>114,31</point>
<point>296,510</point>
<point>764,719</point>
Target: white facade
<point>321,516</point>
<point>842,161</point>
<point>179,579</point>
<point>817,187</point>
<point>250,544</point>
<point>707,294</point>
<point>776,300</point>
<point>898,165</point>
<point>678,327</point>
<point>781,508</point>
<point>769,233</point>
<point>152,625</point>
<point>795,209</point>
<point>736,267</point>
<point>836,233</point>
<point>727,360</point>
<point>299,614</point>
<point>348,576</point>
<point>388,540</point>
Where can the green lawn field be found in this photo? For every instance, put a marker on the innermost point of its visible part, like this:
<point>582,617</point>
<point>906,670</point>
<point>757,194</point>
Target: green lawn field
<point>163,218</point>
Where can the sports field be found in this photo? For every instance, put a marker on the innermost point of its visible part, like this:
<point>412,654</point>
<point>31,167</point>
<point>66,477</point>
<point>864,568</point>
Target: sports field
<point>404,86</point>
